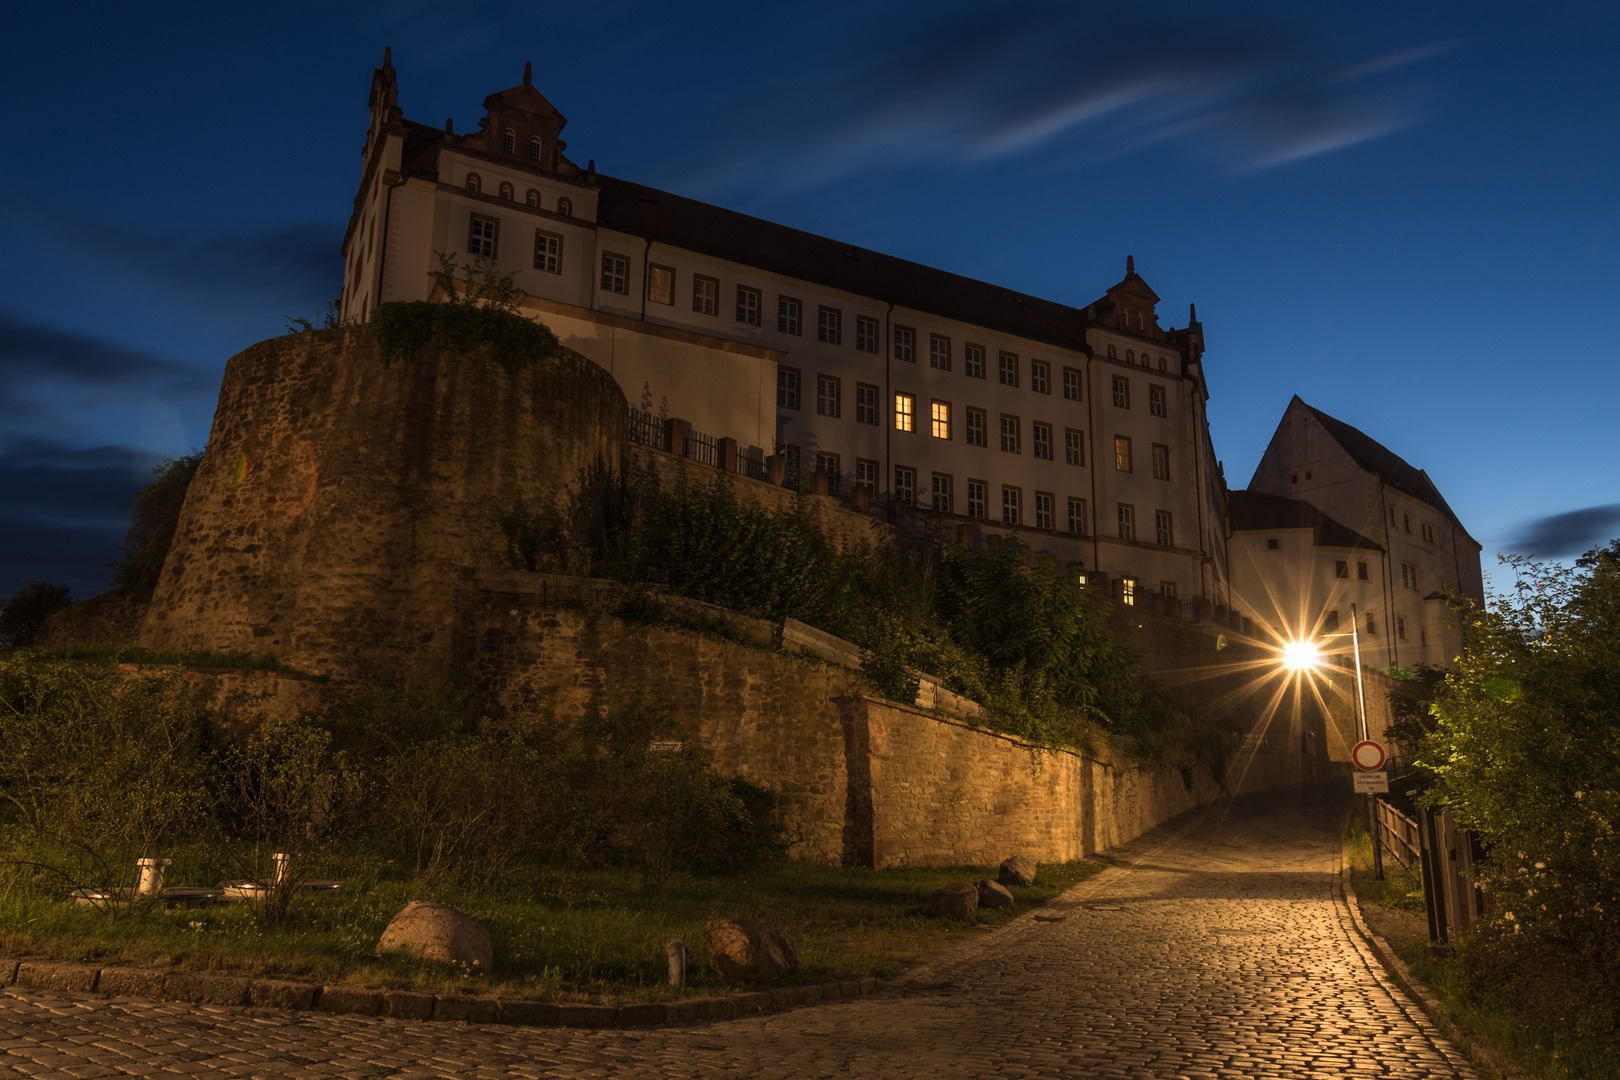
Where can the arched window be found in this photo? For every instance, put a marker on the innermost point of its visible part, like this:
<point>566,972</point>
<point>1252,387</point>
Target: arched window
<point>1130,356</point>
<point>506,191</point>
<point>509,141</point>
<point>1111,354</point>
<point>1139,320</point>
<point>1161,364</point>
<point>534,148</point>
<point>473,183</point>
<point>533,198</point>
<point>565,208</point>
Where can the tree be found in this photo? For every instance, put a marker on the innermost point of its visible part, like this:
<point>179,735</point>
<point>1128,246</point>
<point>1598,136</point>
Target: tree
<point>153,516</point>
<point>23,612</point>
<point>1526,750</point>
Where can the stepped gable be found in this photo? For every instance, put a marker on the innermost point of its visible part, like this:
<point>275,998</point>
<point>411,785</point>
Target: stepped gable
<point>1380,460</point>
<point>1255,511</point>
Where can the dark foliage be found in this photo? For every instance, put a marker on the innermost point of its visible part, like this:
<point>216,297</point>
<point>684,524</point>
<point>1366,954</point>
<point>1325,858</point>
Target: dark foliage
<point>23,612</point>
<point>470,317</point>
<point>153,517</point>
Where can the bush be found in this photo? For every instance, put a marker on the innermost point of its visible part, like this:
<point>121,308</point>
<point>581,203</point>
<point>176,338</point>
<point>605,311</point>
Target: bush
<point>23,612</point>
<point>1526,750</point>
<point>469,317</point>
<point>154,515</point>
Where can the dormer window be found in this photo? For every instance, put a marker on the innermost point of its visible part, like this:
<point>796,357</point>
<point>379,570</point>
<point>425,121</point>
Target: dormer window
<point>509,141</point>
<point>565,208</point>
<point>1139,320</point>
<point>473,183</point>
<point>533,198</point>
<point>506,192</point>
<point>534,148</point>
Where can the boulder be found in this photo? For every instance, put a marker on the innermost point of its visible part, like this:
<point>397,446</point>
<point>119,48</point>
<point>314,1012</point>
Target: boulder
<point>750,951</point>
<point>957,900</point>
<point>1017,870</point>
<point>438,932</point>
<point>991,894</point>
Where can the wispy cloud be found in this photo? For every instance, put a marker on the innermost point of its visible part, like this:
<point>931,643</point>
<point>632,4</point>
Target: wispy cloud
<point>1573,533</point>
<point>63,512</point>
<point>1019,81</point>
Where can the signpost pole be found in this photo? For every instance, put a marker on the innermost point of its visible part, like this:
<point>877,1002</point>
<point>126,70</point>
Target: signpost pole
<point>1361,723</point>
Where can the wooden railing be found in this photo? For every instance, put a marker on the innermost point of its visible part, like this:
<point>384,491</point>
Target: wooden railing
<point>1398,834</point>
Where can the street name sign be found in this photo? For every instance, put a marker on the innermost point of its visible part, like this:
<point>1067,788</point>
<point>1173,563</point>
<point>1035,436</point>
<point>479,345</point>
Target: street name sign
<point>1367,755</point>
<point>1372,783</point>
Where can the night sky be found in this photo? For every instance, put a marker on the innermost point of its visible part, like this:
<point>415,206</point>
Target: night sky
<point>1405,213</point>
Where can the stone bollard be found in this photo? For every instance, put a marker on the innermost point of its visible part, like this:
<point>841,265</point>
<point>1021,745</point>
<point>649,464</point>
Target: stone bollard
<point>282,862</point>
<point>151,883</point>
<point>677,962</point>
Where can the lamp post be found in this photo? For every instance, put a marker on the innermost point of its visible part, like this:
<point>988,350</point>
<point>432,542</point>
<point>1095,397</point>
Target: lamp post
<point>1361,727</point>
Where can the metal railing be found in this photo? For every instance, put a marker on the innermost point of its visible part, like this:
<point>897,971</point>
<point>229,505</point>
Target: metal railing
<point>647,430</point>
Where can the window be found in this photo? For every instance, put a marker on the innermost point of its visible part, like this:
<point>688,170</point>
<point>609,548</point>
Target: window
<point>1162,365</point>
<point>940,419</point>
<point>1130,355</point>
<point>905,344</point>
<point>1009,369</point>
<point>827,395</point>
<point>509,141</point>
<point>1423,636</point>
<point>473,183</point>
<point>939,352</point>
<point>1009,433</point>
<point>1372,627</point>
<point>1341,569</point>
<point>565,207</point>
<point>660,285</point>
<point>481,237</point>
<point>1010,497</point>
<point>866,398</point>
<point>829,326</point>
<point>905,484</point>
<point>787,315</point>
<point>1361,571</point>
<point>866,334</point>
<point>1400,627</point>
<point>1161,461</point>
<point>534,148</point>
<point>616,274</point>
<point>1122,392</point>
<point>1409,575</point>
<point>547,252</point>
<point>532,198</point>
<point>1428,533</point>
<point>866,473</point>
<point>1271,544</point>
<point>975,497</point>
<point>787,388</point>
<point>1040,374</point>
<point>1391,512</point>
<point>942,493</point>
<point>828,465</point>
<point>1043,441</point>
<point>905,412</point>
<point>1330,620</point>
<point>973,361</point>
<point>1071,384</point>
<point>1156,402</point>
<point>975,427</point>
<point>1127,522</point>
<point>1074,447</point>
<point>1122,453</point>
<point>1043,510</point>
<point>506,192</point>
<point>1077,517</point>
<point>705,295</point>
<point>1167,589</point>
<point>1111,354</point>
<point>1406,522</point>
<point>747,305</point>
<point>1163,534</point>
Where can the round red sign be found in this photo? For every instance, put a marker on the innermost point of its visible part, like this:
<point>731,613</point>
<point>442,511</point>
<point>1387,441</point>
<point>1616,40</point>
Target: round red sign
<point>1368,756</point>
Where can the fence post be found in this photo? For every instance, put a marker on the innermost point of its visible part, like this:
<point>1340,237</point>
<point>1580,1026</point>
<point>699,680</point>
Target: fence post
<point>675,436</point>
<point>776,469</point>
<point>726,452</point>
<point>818,483</point>
<point>860,498</point>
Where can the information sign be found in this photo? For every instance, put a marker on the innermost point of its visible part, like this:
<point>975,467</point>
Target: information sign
<point>1372,783</point>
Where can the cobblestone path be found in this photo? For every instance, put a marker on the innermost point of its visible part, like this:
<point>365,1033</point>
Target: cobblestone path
<point>1212,947</point>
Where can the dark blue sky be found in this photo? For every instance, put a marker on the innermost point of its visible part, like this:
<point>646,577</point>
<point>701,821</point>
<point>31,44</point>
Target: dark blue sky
<point>1405,213</point>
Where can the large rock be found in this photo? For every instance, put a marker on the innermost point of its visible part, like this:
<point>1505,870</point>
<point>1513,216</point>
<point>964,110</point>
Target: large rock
<point>750,951</point>
<point>438,932</point>
<point>957,900</point>
<point>991,894</point>
<point>1017,870</point>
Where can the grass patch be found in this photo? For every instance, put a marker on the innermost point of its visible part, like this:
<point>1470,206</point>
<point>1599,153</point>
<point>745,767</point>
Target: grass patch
<point>563,935</point>
<point>1495,1017</point>
<point>135,654</point>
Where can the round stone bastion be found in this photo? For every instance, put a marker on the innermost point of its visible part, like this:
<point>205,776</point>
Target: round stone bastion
<point>342,509</point>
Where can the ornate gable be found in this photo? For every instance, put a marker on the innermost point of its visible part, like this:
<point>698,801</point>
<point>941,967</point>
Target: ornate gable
<point>520,124</point>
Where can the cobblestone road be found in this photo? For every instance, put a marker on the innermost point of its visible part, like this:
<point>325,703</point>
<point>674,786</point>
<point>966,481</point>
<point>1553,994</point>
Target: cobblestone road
<point>1213,947</point>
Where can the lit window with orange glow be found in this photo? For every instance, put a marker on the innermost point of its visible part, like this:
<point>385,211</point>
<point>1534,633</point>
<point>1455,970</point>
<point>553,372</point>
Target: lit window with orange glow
<point>905,412</point>
<point>941,420</point>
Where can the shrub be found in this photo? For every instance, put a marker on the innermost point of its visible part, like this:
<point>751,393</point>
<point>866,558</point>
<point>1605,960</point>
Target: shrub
<point>470,317</point>
<point>23,612</point>
<point>153,517</point>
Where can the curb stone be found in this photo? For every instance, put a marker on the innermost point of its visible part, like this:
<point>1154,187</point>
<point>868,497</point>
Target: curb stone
<point>206,988</point>
<point>58,975</point>
<point>1432,1007</point>
<point>132,982</point>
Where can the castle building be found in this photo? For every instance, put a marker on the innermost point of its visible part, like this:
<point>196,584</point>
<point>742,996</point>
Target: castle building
<point>946,398</point>
<point>1400,556</point>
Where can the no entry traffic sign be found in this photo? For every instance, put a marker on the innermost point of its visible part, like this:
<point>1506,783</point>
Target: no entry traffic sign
<point>1367,755</point>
